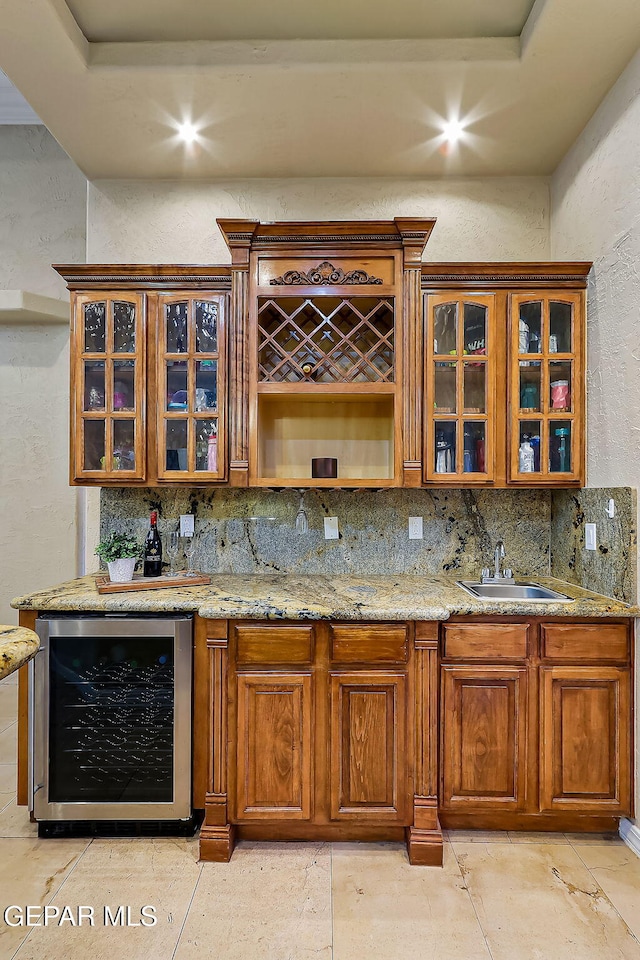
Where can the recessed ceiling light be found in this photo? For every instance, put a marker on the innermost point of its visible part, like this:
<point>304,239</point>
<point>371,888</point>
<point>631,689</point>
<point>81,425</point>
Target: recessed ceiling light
<point>187,132</point>
<point>453,130</point>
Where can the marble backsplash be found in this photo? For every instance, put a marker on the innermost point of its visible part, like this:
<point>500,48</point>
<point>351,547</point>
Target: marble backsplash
<point>611,569</point>
<point>254,531</point>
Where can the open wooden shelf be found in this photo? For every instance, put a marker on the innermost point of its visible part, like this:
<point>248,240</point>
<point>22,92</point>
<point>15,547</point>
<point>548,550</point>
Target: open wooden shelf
<point>357,429</point>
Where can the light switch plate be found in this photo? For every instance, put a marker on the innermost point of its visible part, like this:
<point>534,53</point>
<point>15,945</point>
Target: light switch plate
<point>590,536</point>
<point>187,526</point>
<point>331,528</point>
<point>415,528</point>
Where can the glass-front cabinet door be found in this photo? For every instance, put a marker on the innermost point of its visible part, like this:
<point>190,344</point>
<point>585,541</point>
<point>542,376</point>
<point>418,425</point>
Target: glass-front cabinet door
<point>191,394</point>
<point>460,389</point>
<point>109,370</point>
<point>546,390</point>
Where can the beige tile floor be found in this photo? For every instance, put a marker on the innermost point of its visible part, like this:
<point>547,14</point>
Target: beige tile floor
<point>500,896</point>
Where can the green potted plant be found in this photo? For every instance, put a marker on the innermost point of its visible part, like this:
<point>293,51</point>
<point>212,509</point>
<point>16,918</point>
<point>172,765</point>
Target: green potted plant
<point>120,552</point>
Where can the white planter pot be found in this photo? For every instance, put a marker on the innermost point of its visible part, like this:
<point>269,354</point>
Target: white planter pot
<point>121,571</point>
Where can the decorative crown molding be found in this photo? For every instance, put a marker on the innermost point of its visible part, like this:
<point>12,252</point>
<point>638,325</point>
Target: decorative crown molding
<point>431,278</point>
<point>324,275</point>
<point>142,279</point>
<point>324,238</point>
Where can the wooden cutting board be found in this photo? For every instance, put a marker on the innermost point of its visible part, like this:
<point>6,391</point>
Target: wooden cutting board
<point>104,585</point>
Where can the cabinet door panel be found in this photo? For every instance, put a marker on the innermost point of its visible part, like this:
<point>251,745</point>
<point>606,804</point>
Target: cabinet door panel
<point>484,737</point>
<point>460,386</point>
<point>191,387</point>
<point>585,747</point>
<point>107,387</point>
<point>274,753</point>
<point>546,363</point>
<point>368,747</point>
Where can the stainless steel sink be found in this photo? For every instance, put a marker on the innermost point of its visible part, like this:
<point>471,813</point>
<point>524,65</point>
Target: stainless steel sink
<point>512,591</point>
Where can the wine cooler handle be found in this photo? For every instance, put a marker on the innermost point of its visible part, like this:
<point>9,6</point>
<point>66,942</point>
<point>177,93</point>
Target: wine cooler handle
<point>38,666</point>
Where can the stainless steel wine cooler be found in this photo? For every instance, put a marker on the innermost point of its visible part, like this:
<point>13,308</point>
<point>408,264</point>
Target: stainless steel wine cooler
<point>110,718</point>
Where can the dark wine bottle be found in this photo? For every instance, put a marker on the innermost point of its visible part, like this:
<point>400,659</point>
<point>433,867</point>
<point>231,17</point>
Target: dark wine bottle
<point>153,549</point>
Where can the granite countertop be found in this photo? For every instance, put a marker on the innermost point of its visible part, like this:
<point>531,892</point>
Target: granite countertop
<point>321,597</point>
<point>17,646</point>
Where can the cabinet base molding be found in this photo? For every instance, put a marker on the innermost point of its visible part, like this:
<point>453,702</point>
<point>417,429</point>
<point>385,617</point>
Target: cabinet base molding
<point>504,820</point>
<point>424,847</point>
<point>328,832</point>
<point>217,843</point>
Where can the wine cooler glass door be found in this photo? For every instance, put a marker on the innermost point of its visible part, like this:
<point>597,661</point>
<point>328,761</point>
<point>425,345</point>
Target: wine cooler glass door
<point>112,719</point>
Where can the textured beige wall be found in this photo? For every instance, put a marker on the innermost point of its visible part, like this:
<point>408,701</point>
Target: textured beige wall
<point>174,222</point>
<point>596,215</point>
<point>42,220</point>
<point>42,211</point>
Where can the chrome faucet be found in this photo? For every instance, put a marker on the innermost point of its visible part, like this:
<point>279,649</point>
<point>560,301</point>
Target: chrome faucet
<point>499,576</point>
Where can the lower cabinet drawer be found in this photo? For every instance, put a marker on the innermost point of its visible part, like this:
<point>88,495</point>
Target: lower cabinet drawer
<point>263,643</point>
<point>486,641</point>
<point>585,641</point>
<point>369,643</point>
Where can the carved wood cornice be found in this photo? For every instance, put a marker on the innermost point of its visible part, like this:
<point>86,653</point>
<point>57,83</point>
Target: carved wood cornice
<point>328,238</point>
<point>505,274</point>
<point>324,274</point>
<point>149,280</point>
<point>151,276</point>
<point>496,278</point>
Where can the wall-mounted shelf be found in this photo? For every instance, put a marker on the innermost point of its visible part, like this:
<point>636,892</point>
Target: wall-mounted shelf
<point>20,306</point>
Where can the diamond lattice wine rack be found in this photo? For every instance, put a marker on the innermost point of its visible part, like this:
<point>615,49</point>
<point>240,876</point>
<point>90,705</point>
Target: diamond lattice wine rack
<point>325,340</point>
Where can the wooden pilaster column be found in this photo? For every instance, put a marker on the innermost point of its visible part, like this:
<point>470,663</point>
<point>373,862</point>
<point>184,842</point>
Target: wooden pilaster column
<point>238,235</point>
<point>424,837</point>
<point>414,234</point>
<point>217,833</point>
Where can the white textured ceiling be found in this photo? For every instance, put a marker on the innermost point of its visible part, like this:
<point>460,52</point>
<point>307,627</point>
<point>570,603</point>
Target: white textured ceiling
<point>365,94</point>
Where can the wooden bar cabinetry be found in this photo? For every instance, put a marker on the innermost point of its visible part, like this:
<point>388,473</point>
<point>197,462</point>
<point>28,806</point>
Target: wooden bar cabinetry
<point>328,340</point>
<point>504,374</point>
<point>321,735</point>
<point>331,341</point>
<point>317,730</point>
<point>149,385</point>
<point>536,724</point>
<point>373,731</point>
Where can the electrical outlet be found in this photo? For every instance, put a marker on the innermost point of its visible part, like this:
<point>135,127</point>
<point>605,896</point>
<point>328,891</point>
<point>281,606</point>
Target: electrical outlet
<point>415,528</point>
<point>590,536</point>
<point>331,528</point>
<point>187,524</point>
